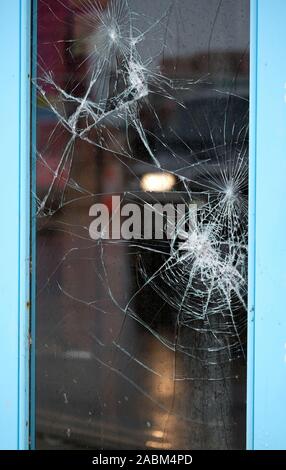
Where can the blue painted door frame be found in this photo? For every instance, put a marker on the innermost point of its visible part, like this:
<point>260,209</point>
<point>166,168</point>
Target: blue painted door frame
<point>15,221</point>
<point>267,269</point>
<point>266,408</point>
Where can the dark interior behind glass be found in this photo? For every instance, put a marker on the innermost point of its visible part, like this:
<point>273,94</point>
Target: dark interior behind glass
<point>141,343</point>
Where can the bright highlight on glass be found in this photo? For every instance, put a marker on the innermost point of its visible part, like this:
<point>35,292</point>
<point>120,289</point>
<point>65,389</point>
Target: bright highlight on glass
<point>158,182</point>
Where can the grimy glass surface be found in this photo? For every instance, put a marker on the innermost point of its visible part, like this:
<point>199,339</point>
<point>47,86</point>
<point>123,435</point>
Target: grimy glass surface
<point>141,307</point>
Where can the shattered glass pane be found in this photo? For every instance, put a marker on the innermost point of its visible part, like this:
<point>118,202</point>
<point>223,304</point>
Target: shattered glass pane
<point>142,223</point>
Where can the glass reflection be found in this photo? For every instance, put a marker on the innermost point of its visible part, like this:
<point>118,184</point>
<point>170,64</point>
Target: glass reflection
<point>141,340</point>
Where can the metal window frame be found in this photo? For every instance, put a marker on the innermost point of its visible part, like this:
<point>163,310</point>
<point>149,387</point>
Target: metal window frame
<point>266,413</point>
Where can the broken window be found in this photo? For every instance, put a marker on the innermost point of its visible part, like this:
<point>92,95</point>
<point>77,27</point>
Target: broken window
<point>142,222</point>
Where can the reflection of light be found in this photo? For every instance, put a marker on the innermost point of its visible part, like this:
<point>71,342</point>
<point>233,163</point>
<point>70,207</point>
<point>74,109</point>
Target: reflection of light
<point>158,182</point>
<point>165,387</point>
<point>157,434</point>
<point>158,445</point>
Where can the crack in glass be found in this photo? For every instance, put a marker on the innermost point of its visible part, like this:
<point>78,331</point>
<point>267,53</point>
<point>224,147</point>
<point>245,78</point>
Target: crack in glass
<point>129,99</point>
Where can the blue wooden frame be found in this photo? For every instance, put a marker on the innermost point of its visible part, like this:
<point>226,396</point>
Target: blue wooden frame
<point>266,412</point>
<point>267,273</point>
<point>15,29</point>
<point>252,226</point>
